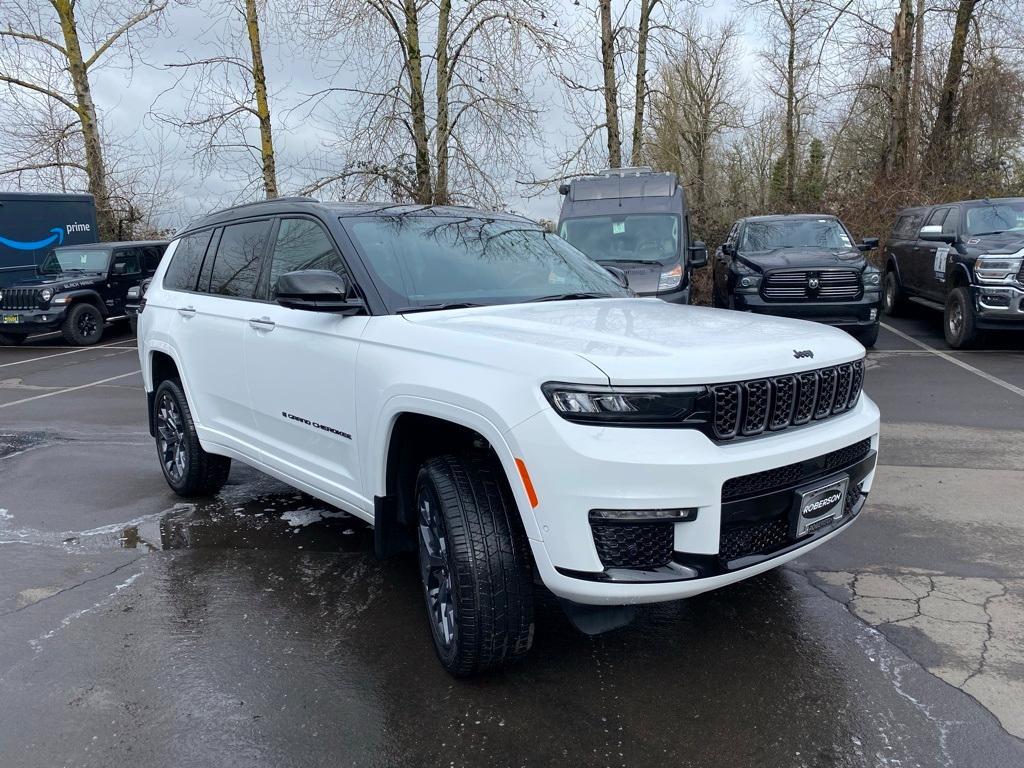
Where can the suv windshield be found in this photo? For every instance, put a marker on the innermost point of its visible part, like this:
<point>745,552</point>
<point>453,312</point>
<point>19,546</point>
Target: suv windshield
<point>420,261</point>
<point>996,217</point>
<point>647,237</point>
<point>75,260</point>
<point>794,233</point>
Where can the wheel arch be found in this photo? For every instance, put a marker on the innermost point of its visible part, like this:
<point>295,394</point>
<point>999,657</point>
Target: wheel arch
<point>414,430</point>
<point>958,278</point>
<point>161,366</point>
<point>87,296</point>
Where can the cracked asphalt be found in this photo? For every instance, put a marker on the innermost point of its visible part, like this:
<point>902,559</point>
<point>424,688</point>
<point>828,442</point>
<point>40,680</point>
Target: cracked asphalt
<point>257,629</point>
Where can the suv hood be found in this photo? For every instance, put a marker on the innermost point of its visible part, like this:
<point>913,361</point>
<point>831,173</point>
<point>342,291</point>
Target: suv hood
<point>60,281</point>
<point>649,341</point>
<point>802,258</point>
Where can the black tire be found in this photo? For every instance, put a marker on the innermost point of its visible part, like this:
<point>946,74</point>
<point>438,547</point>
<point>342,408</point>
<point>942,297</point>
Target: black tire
<point>474,565</point>
<point>867,336</point>
<point>12,339</point>
<point>960,320</point>
<point>187,468</point>
<point>894,299</point>
<point>83,325</point>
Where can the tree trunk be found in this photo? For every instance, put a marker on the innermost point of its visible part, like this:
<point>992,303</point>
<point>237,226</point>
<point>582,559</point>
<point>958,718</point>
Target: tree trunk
<point>939,142</point>
<point>86,111</point>
<point>914,140</point>
<point>643,31</point>
<point>423,193</point>
<point>791,116</point>
<point>900,64</point>
<point>443,127</point>
<point>611,92</point>
<point>262,105</point>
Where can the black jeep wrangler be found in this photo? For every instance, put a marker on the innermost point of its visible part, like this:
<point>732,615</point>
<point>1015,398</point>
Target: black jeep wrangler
<point>805,266</point>
<point>964,259</point>
<point>78,289</point>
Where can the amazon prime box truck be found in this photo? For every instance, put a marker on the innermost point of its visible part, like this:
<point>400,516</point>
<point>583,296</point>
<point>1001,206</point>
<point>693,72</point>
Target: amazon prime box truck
<point>31,225</point>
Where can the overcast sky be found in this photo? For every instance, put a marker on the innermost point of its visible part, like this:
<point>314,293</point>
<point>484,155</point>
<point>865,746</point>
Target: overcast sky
<point>189,31</point>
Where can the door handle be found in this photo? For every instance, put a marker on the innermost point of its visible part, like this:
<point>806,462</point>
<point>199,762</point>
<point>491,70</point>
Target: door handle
<point>262,323</point>
<point>187,311</point>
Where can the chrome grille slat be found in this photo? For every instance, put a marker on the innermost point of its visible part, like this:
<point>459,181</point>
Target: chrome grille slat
<point>749,408</point>
<point>833,285</point>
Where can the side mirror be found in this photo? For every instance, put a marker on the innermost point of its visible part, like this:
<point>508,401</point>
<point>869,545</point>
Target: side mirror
<point>120,268</point>
<point>620,276</point>
<point>868,244</point>
<point>728,249</point>
<point>933,233</point>
<point>698,255</point>
<point>317,290</point>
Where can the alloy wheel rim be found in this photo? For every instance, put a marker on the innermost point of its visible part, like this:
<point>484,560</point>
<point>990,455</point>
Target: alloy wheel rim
<point>956,319</point>
<point>87,324</point>
<point>889,291</point>
<point>435,570</point>
<point>170,431</point>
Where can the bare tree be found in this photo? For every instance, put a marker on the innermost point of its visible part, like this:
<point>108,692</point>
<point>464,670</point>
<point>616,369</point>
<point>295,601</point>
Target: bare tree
<point>443,102</point>
<point>227,116</point>
<point>49,49</point>
<point>943,126</point>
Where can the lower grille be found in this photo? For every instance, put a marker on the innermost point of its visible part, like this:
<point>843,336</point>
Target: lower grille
<point>755,539</point>
<point>633,545</point>
<point>794,474</point>
<point>19,298</point>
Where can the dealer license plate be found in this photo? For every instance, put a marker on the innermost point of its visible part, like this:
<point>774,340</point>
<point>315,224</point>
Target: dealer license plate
<point>11,319</point>
<point>821,507</point>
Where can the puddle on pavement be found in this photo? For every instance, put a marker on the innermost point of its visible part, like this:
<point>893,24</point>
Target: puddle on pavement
<point>11,444</point>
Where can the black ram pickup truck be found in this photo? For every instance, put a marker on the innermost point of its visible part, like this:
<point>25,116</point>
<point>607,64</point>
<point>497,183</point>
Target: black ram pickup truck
<point>804,266</point>
<point>77,290</point>
<point>965,259</point>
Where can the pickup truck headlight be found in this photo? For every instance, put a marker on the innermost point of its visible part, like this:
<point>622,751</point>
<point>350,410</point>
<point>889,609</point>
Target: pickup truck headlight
<point>629,406</point>
<point>996,269</point>
<point>748,283</point>
<point>871,277</point>
<point>671,278</point>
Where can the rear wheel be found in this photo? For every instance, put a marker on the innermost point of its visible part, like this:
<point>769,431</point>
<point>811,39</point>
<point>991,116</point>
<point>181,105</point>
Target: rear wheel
<point>12,339</point>
<point>894,300</point>
<point>83,325</point>
<point>961,320</point>
<point>867,336</point>
<point>474,565</point>
<point>187,468</point>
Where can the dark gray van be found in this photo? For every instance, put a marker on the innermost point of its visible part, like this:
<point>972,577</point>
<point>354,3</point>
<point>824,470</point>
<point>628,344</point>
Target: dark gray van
<point>637,221</point>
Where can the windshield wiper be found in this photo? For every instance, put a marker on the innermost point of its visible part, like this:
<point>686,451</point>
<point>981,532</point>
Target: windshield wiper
<point>435,307</point>
<point>982,234</point>
<point>627,261</point>
<point>570,297</point>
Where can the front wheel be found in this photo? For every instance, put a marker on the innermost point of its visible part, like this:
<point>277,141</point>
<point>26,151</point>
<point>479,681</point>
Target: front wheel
<point>960,320</point>
<point>12,339</point>
<point>474,565</point>
<point>187,468</point>
<point>83,325</point>
<point>867,336</point>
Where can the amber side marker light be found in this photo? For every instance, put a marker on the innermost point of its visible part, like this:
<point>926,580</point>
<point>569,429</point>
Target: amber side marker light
<point>527,482</point>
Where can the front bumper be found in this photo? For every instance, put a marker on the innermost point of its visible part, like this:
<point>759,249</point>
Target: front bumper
<point>842,314</point>
<point>999,306</point>
<point>575,469</point>
<point>31,320</point>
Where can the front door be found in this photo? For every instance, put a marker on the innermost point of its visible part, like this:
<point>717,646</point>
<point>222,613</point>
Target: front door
<point>301,368</point>
<point>930,257</point>
<point>125,271</point>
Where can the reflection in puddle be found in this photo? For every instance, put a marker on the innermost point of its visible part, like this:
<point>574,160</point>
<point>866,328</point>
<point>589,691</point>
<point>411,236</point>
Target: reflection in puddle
<point>292,521</point>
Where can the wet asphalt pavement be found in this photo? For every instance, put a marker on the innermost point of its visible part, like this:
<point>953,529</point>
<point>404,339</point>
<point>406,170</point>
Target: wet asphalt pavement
<point>258,630</point>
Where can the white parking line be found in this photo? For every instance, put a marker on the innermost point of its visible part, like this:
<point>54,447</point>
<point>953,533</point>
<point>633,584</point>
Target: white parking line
<point>949,358</point>
<point>68,389</point>
<point>59,354</point>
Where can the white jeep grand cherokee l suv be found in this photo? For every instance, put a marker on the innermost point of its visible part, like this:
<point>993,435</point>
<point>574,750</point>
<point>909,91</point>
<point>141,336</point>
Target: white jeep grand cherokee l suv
<point>484,394</point>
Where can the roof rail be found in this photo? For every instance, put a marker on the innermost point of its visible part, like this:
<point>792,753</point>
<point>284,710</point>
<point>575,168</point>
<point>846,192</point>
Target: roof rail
<point>293,199</point>
<point>636,171</point>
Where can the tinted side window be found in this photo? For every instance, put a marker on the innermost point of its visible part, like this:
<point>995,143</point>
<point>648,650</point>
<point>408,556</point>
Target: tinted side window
<point>951,224</point>
<point>938,216</point>
<point>902,227</point>
<point>302,244</point>
<point>151,257</point>
<point>130,258</point>
<point>183,270</point>
<point>236,268</point>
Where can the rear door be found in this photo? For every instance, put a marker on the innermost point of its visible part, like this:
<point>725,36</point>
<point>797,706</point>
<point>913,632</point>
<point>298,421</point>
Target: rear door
<point>125,271</point>
<point>901,244</point>
<point>211,332</point>
<point>301,369</point>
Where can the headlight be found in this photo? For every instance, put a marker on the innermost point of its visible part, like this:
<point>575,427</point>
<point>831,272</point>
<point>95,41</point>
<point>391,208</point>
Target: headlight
<point>748,283</point>
<point>871,277</point>
<point>671,278</point>
<point>46,294</point>
<point>996,269</point>
<point>637,406</point>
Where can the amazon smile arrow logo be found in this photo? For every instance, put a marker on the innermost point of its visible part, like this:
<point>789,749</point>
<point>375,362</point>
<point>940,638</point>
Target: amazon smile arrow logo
<point>18,245</point>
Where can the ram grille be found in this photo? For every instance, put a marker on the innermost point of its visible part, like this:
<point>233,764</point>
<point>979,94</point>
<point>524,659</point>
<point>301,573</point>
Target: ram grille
<point>832,285</point>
